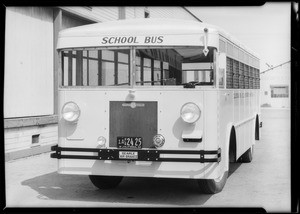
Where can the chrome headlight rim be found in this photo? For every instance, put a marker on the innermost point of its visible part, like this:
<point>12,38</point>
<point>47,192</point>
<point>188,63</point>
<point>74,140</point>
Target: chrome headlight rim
<point>198,109</point>
<point>78,111</point>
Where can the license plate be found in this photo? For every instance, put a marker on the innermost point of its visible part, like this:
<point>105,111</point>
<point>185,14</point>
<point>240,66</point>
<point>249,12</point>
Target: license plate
<point>130,142</point>
<point>128,155</point>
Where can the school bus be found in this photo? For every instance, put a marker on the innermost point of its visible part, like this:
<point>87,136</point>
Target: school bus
<point>155,98</point>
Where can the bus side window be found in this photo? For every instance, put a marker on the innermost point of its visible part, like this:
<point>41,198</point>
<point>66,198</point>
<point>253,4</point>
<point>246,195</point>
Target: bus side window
<point>123,69</point>
<point>177,74</point>
<point>66,57</point>
<point>85,75</point>
<point>147,71</point>
<point>92,67</point>
<point>157,73</point>
<point>95,68</point>
<point>108,68</point>
<point>71,68</point>
<point>197,72</point>
<point>165,73</point>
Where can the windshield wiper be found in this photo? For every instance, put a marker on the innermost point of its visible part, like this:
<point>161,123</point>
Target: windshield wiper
<point>193,84</point>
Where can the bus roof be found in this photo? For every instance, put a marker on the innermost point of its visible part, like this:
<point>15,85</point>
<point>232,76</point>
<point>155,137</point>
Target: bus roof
<point>134,33</point>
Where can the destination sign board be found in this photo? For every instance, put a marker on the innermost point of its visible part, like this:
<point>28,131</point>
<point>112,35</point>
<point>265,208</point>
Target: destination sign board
<point>135,40</point>
<point>132,40</point>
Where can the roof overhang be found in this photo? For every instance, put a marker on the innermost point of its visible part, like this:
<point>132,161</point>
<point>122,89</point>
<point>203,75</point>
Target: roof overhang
<point>138,32</point>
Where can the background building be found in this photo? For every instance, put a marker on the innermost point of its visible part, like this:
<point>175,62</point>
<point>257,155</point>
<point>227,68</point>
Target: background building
<point>265,29</point>
<point>275,87</point>
<point>31,65</point>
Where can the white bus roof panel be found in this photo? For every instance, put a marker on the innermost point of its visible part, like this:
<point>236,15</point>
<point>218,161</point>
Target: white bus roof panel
<point>135,32</point>
<point>143,32</point>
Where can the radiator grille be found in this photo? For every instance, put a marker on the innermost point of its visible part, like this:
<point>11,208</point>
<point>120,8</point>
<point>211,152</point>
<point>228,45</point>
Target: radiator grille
<point>132,119</point>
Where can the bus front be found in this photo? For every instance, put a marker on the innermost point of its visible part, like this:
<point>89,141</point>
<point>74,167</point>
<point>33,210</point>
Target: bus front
<point>138,105</point>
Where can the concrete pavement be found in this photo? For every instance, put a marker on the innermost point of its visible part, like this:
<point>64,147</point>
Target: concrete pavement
<point>34,182</point>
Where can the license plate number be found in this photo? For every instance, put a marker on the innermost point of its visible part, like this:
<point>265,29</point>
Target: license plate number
<point>129,142</point>
<point>128,155</point>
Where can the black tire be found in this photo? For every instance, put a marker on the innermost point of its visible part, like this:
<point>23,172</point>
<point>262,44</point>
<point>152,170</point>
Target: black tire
<point>105,182</point>
<point>212,186</point>
<point>247,156</point>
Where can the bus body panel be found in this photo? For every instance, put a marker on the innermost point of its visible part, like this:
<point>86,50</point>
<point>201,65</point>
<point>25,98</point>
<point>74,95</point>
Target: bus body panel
<point>94,122</point>
<point>225,118</point>
<point>216,113</point>
<point>246,108</point>
<point>138,32</point>
<point>213,170</point>
<point>133,169</point>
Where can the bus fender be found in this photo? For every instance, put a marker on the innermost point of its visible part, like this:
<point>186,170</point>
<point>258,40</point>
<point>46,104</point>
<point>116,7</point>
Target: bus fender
<point>225,157</point>
<point>257,126</point>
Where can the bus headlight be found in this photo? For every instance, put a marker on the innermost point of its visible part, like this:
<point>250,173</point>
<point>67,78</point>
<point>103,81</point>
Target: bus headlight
<point>190,112</point>
<point>70,112</point>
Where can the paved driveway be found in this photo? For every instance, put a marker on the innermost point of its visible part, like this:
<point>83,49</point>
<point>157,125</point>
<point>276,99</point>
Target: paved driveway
<point>265,182</point>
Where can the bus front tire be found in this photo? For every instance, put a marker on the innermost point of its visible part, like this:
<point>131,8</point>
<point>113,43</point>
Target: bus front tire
<point>247,156</point>
<point>212,186</point>
<point>105,182</point>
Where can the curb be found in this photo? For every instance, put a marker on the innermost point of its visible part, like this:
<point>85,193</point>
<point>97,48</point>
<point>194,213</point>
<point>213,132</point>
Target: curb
<point>27,152</point>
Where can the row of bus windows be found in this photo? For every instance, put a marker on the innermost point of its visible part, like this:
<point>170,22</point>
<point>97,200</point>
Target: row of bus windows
<point>95,67</point>
<point>240,75</point>
<point>153,67</point>
<point>111,68</point>
<point>235,52</point>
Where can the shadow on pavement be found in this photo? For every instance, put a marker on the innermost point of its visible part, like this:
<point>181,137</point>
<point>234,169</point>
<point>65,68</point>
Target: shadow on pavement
<point>233,168</point>
<point>145,191</point>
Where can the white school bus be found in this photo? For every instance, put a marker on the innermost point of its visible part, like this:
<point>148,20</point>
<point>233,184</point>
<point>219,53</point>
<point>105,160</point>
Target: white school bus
<point>155,98</point>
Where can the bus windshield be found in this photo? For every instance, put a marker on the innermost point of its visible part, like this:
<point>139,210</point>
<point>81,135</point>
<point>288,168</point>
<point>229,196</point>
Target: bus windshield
<point>153,66</point>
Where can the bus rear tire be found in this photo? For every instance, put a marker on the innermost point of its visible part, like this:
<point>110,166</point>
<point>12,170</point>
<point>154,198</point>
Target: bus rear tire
<point>105,182</point>
<point>212,186</point>
<point>247,156</point>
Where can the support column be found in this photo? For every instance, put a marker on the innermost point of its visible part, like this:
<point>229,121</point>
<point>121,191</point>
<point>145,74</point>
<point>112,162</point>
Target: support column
<point>57,26</point>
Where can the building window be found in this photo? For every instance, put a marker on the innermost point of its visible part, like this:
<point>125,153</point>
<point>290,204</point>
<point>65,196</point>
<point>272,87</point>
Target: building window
<point>122,13</point>
<point>279,91</point>
<point>146,13</point>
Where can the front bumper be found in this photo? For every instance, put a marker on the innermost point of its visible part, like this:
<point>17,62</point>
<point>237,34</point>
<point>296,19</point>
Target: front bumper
<point>142,154</point>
